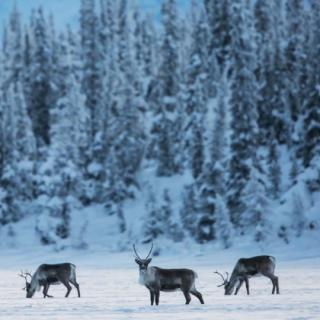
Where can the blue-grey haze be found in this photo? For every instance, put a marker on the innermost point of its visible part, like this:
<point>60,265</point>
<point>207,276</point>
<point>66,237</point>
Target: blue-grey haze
<point>67,11</point>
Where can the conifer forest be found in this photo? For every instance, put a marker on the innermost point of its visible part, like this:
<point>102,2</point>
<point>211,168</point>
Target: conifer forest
<point>198,125</point>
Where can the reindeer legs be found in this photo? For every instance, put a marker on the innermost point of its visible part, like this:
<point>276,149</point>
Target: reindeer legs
<point>239,286</point>
<point>198,295</point>
<point>67,285</point>
<point>151,297</point>
<point>157,293</point>
<point>246,280</point>
<point>45,291</point>
<point>75,283</point>
<point>275,281</point>
<point>187,296</point>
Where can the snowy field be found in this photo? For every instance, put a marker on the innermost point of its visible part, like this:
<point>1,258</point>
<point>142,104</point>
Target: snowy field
<point>110,290</point>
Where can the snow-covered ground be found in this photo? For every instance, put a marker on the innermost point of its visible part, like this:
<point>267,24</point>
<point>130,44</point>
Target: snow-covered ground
<point>110,289</point>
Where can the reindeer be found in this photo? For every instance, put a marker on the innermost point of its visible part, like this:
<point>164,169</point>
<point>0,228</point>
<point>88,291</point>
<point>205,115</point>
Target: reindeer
<point>249,267</point>
<point>48,274</point>
<point>42,283</point>
<point>158,279</point>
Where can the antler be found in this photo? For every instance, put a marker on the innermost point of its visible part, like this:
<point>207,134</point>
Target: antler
<point>25,275</point>
<point>223,279</point>
<point>136,253</point>
<point>150,250</point>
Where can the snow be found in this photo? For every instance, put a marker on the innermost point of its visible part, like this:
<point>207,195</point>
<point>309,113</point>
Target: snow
<point>110,289</point>
<point>107,273</point>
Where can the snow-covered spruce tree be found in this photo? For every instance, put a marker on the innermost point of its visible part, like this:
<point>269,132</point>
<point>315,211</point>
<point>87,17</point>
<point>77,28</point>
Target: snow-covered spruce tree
<point>126,151</point>
<point>125,155</point>
<point>307,47</point>
<point>13,49</point>
<point>223,226</point>
<point>167,124</point>
<point>195,99</point>
<point>171,228</point>
<point>130,56</point>
<point>160,219</point>
<point>59,177</point>
<point>153,227</point>
<point>243,101</point>
<point>189,209</point>
<point>26,69</point>
<point>148,48</point>
<point>93,68</point>
<point>138,53</point>
<point>274,169</point>
<point>40,78</point>
<point>25,143</point>
<point>218,150</point>
<point>11,58</point>
<point>206,205</point>
<point>311,139</point>
<point>53,46</point>
<point>107,32</point>
<point>103,30</point>
<point>297,75</point>
<point>218,142</point>
<point>19,153</point>
<point>294,58</point>
<point>264,38</point>
<point>299,220</point>
<point>197,149</point>
<point>117,190</point>
<point>17,140</point>
<point>126,129</point>
<point>199,208</point>
<point>199,213</point>
<point>9,208</point>
<point>108,28</point>
<point>255,217</point>
<point>2,150</point>
<point>91,81</point>
<point>218,13</point>
<point>2,101</point>
<point>294,169</point>
<point>269,68</point>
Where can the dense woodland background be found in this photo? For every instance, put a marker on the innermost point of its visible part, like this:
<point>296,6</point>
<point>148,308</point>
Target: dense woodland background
<point>222,103</point>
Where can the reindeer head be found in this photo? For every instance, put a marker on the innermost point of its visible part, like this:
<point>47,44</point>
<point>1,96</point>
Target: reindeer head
<point>228,288</point>
<point>143,263</point>
<point>29,291</point>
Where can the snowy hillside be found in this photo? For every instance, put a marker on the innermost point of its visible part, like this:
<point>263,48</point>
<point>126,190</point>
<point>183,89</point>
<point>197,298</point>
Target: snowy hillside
<point>201,133</point>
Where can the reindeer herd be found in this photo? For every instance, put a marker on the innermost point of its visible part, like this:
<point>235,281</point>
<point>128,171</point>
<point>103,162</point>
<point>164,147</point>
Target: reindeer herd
<point>157,279</point>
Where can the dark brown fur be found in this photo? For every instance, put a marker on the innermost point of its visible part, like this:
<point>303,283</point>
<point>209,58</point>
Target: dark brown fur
<point>249,267</point>
<point>48,274</point>
<point>158,279</point>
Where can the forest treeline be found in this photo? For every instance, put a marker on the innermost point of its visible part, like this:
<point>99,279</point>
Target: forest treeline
<point>229,91</point>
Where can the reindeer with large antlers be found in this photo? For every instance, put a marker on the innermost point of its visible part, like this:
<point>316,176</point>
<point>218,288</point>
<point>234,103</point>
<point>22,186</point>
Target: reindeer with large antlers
<point>48,274</point>
<point>158,279</point>
<point>45,284</point>
<point>247,268</point>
